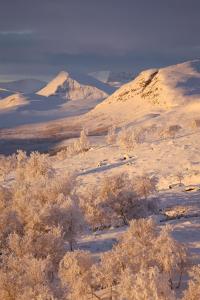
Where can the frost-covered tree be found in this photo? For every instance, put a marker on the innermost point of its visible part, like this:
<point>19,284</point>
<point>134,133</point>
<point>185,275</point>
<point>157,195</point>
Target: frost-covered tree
<point>7,165</point>
<point>144,246</point>
<point>26,278</point>
<point>111,136</point>
<point>80,145</point>
<point>115,201</point>
<point>93,213</point>
<point>39,215</point>
<point>128,138</point>
<point>180,177</point>
<point>144,186</point>
<point>193,290</point>
<point>84,143</point>
<point>147,284</point>
<point>33,167</point>
<point>125,139</point>
<point>75,272</point>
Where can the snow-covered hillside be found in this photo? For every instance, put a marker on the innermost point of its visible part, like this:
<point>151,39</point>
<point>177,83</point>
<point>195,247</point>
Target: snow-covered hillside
<point>67,88</point>
<point>173,90</point>
<point>165,97</point>
<point>147,166</point>
<point>13,101</point>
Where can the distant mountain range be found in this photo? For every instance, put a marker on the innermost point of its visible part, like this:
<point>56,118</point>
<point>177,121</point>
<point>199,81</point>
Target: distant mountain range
<point>115,79</point>
<point>23,86</point>
<point>69,102</point>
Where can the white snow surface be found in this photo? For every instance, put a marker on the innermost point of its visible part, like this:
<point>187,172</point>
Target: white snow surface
<point>155,99</point>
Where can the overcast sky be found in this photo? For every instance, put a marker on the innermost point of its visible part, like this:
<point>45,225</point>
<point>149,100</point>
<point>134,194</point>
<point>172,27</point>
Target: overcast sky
<point>40,37</point>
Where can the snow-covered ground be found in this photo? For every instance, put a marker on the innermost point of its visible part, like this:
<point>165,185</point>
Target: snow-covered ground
<point>165,106</point>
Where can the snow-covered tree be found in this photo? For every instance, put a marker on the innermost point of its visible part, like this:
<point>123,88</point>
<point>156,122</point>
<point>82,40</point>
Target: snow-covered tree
<point>111,136</point>
<point>193,290</point>
<point>75,272</point>
<point>116,200</point>
<point>128,138</point>
<point>147,284</point>
<point>144,186</point>
<point>80,145</point>
<point>144,246</point>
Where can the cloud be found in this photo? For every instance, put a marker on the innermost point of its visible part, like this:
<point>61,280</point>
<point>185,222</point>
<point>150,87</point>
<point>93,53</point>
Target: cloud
<point>43,36</point>
<point>16,32</point>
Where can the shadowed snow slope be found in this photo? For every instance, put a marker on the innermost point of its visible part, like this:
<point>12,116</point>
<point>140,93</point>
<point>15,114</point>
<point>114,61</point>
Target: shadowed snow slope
<point>23,85</point>
<point>68,88</point>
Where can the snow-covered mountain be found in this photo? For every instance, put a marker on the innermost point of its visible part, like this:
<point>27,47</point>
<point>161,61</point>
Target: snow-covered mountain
<point>13,101</point>
<point>66,87</point>
<point>169,95</point>
<point>23,86</point>
<point>165,89</point>
<point>115,79</point>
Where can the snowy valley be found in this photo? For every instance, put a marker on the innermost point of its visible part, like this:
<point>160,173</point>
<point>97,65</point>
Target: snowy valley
<point>114,196</point>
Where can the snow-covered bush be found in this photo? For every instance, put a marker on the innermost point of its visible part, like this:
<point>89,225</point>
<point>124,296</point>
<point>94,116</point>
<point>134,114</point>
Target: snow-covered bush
<point>145,285</point>
<point>171,131</point>
<point>39,217</point>
<point>75,272</point>
<point>67,215</point>
<point>125,139</point>
<point>33,167</point>
<point>90,205</point>
<point>9,220</point>
<point>193,291</point>
<point>26,278</point>
<point>78,146</point>
<point>180,177</point>
<point>111,136</point>
<point>143,249</point>
<point>117,199</point>
<point>51,203</point>
<point>144,185</point>
<point>7,165</point>
<point>196,123</point>
<point>128,138</point>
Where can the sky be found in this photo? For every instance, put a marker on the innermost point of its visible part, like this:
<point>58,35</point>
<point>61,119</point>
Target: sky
<point>39,38</point>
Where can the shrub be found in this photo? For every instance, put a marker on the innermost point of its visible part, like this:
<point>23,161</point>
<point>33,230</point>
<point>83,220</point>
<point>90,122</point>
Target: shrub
<point>146,284</point>
<point>7,165</point>
<point>116,200</point>
<point>144,186</point>
<point>196,123</point>
<point>143,247</point>
<point>125,139</point>
<point>171,131</point>
<point>75,272</point>
<point>33,167</point>
<point>39,216</point>
<point>26,278</point>
<point>111,136</point>
<point>128,138</point>
<point>79,146</point>
<point>193,291</point>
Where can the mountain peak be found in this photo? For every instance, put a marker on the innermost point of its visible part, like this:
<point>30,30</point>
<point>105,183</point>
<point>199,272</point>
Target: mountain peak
<point>66,87</point>
<point>63,75</point>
